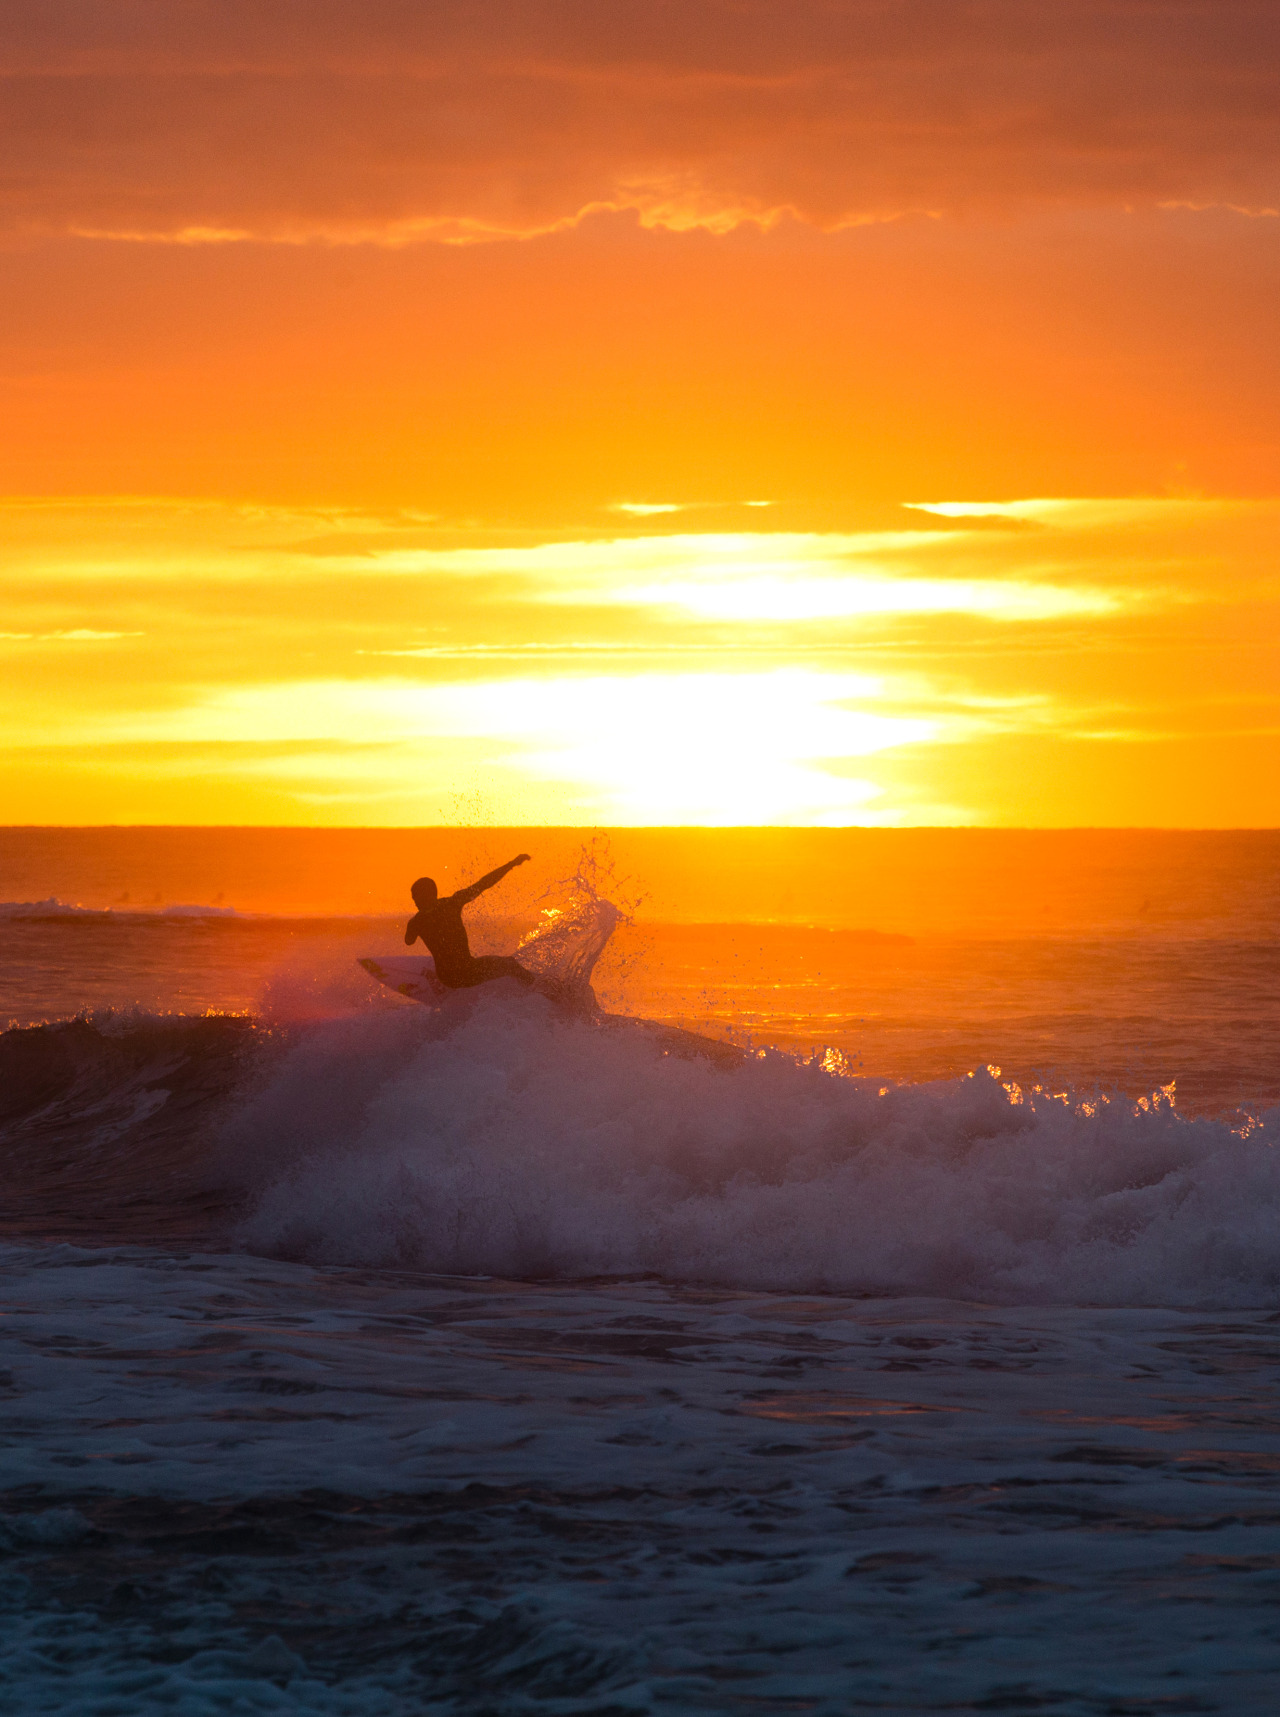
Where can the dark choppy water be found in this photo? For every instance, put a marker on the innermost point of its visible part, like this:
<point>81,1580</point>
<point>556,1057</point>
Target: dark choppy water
<point>240,1485</point>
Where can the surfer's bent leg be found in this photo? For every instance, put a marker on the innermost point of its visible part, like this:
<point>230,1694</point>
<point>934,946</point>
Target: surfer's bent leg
<point>487,966</point>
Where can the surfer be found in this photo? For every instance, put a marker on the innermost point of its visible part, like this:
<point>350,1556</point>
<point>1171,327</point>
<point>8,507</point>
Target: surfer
<point>439,924</point>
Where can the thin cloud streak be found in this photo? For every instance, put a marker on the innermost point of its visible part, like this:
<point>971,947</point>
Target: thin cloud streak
<point>773,599</point>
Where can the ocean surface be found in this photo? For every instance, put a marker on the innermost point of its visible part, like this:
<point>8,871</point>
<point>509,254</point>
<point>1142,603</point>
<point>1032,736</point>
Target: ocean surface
<point>921,1354</point>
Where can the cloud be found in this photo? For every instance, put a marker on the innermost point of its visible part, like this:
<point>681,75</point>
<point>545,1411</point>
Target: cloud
<point>393,122</point>
<point>799,577</point>
<point>1264,214</point>
<point>770,598</point>
<point>73,635</point>
<point>643,748</point>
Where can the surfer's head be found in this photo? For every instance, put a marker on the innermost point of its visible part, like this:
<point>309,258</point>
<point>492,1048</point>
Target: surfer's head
<point>424,893</point>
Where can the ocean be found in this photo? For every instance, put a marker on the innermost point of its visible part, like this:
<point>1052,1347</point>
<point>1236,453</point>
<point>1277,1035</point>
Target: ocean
<point>917,1353</point>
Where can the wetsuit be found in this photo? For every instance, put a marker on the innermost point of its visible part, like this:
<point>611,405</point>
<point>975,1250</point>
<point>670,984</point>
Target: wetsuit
<point>440,926</point>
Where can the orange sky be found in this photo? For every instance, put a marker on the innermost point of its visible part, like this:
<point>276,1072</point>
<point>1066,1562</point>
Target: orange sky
<point>389,394</point>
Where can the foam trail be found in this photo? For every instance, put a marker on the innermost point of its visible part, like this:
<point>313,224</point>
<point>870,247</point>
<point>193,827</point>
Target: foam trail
<point>505,1138</point>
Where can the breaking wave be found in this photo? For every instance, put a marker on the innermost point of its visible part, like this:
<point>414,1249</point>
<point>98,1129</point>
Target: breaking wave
<point>497,1133</point>
<point>502,1137</point>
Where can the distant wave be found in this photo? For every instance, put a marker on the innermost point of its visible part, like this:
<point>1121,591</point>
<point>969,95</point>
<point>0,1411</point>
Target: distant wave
<point>51,908</point>
<point>54,908</point>
<point>197,911</point>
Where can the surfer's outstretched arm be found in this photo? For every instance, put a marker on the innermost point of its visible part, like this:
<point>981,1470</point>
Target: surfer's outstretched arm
<point>470,893</point>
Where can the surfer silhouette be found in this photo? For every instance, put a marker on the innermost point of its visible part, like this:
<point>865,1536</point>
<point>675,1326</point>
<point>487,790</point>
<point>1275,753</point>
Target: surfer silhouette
<point>438,923</point>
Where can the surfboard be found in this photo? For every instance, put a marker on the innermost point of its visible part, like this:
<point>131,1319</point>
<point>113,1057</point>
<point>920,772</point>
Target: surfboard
<point>414,977</point>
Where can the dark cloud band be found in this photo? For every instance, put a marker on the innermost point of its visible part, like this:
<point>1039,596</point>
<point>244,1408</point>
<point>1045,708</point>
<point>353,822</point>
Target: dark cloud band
<point>394,121</point>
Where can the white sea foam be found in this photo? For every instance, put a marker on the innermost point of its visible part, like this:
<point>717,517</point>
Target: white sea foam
<point>504,1138</point>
